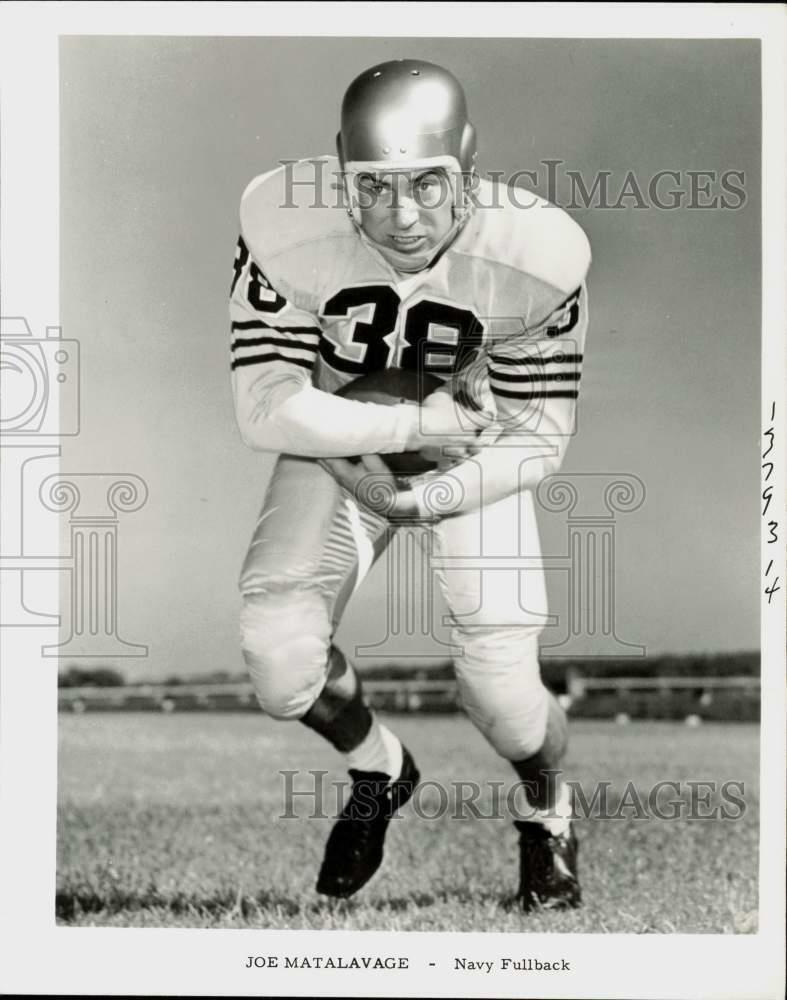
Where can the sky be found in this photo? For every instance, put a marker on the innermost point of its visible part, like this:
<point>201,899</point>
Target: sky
<point>159,136</point>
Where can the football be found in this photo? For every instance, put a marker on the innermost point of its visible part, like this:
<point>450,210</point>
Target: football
<point>389,387</point>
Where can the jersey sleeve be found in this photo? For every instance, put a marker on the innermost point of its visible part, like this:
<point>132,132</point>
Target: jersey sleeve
<point>534,378</point>
<point>274,349</point>
<point>534,381</point>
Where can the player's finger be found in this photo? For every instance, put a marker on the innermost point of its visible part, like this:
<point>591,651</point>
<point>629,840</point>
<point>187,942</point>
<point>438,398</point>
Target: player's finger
<point>374,463</point>
<point>454,451</point>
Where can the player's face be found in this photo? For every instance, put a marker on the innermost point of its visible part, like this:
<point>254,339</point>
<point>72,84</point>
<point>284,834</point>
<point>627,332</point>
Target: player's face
<point>407,211</point>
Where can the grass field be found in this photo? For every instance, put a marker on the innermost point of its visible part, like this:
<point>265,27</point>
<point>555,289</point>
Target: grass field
<point>172,821</point>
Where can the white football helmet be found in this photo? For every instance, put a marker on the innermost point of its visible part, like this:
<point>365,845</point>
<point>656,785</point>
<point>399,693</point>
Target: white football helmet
<point>406,115</point>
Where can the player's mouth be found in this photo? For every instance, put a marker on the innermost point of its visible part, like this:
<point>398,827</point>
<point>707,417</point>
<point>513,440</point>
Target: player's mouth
<point>407,243</point>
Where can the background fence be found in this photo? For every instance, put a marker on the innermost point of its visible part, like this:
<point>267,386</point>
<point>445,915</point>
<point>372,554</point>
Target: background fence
<point>733,698</point>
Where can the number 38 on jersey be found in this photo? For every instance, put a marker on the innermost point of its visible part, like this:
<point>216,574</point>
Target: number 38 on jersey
<point>367,327</point>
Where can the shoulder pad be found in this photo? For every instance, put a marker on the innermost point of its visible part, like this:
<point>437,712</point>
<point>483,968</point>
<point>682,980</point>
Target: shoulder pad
<point>519,229</point>
<point>292,206</point>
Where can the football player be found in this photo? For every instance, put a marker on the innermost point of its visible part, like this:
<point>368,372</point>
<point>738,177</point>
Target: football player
<point>399,255</point>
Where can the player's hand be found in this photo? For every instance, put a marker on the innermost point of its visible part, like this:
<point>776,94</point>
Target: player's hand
<point>372,484</point>
<point>446,458</point>
<point>446,428</point>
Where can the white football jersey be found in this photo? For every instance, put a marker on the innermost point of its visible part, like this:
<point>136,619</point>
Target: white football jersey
<point>501,314</point>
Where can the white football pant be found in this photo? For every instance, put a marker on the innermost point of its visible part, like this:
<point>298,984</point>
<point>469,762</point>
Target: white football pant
<point>311,548</point>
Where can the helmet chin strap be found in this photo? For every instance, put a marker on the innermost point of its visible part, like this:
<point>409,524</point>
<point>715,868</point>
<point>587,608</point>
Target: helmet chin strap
<point>411,263</point>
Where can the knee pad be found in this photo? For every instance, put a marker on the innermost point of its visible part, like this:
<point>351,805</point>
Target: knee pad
<point>285,640</point>
<point>501,689</point>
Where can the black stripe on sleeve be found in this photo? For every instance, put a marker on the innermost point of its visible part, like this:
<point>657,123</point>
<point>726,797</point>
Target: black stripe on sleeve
<point>258,359</point>
<point>554,359</point>
<point>548,394</point>
<point>295,345</point>
<point>258,324</point>
<point>542,377</point>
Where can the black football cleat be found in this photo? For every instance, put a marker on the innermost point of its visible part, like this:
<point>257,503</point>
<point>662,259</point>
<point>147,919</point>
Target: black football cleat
<point>548,877</point>
<point>354,850</point>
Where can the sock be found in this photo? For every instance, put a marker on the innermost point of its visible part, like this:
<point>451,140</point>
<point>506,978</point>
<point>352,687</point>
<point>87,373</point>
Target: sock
<point>557,819</point>
<point>380,750</point>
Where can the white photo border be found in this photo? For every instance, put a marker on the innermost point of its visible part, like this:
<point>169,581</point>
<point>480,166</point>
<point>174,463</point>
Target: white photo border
<point>40,957</point>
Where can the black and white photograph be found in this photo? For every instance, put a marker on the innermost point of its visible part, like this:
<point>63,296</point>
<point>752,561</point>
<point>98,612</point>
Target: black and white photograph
<point>393,500</point>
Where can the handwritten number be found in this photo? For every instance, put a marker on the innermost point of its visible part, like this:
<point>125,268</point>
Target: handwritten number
<point>769,434</point>
<point>767,496</point>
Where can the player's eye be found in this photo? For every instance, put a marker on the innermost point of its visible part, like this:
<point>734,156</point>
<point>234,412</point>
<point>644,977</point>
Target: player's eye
<point>429,190</point>
<point>372,184</point>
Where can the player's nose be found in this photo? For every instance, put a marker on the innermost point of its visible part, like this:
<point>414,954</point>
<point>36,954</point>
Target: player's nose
<point>405,213</point>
